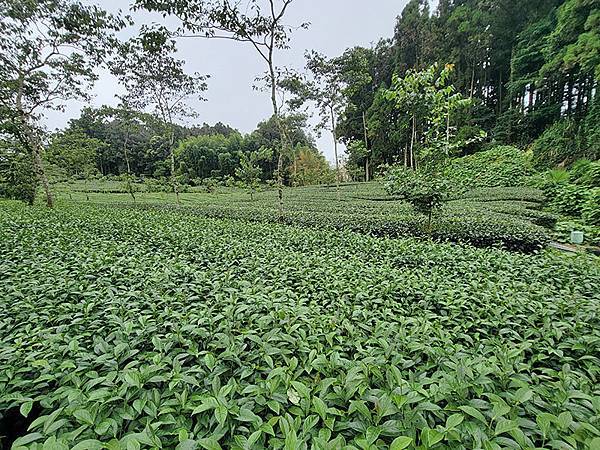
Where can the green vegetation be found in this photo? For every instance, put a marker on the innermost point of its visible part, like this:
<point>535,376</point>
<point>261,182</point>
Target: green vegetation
<point>483,218</point>
<point>171,329</point>
<point>196,287</point>
<point>499,166</point>
<point>574,194</point>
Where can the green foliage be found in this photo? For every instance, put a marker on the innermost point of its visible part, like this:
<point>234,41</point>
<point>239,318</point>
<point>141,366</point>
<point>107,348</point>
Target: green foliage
<point>586,173</point>
<point>557,145</point>
<point>249,172</point>
<point>590,131</point>
<point>574,193</point>
<point>425,192</point>
<point>427,100</point>
<point>162,329</point>
<point>310,168</point>
<point>591,208</point>
<point>499,166</point>
<point>209,155</point>
<point>74,152</point>
<point>513,127</point>
<point>568,199</point>
<point>18,179</point>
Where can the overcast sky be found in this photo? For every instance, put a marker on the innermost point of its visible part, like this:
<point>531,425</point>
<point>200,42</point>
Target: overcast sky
<point>335,26</point>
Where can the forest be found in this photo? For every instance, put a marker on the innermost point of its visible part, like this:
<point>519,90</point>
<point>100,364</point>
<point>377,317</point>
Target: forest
<point>404,253</point>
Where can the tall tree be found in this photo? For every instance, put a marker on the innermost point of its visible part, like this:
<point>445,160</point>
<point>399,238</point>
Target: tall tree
<point>155,79</point>
<point>259,23</point>
<point>49,52</point>
<point>324,87</point>
<point>428,99</point>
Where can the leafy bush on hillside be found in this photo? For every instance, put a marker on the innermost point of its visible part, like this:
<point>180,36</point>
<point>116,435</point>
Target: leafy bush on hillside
<point>123,328</point>
<point>567,199</point>
<point>575,193</point>
<point>590,210</point>
<point>500,166</point>
<point>558,145</point>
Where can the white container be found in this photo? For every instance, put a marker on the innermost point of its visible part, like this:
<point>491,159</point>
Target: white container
<point>577,237</point>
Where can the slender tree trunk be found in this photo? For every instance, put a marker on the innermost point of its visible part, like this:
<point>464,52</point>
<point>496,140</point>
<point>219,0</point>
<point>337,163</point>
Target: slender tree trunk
<point>172,155</point>
<point>531,97</point>
<point>500,94</point>
<point>39,168</point>
<point>412,143</point>
<point>448,126</point>
<point>129,182</point>
<point>125,142</point>
<point>335,152</point>
<point>33,142</point>
<point>273,86</point>
<point>472,82</point>
<point>570,95</point>
<point>38,164</point>
<point>366,147</point>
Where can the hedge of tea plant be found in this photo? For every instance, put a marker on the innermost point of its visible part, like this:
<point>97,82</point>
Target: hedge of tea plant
<point>507,218</point>
<point>485,220</point>
<point>125,329</point>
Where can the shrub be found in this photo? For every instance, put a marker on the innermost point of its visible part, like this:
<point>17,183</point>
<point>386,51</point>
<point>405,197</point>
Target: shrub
<point>568,199</point>
<point>557,145</point>
<point>513,128</point>
<point>18,180</point>
<point>128,328</point>
<point>587,174</point>
<point>500,166</point>
<point>591,208</point>
<point>425,192</point>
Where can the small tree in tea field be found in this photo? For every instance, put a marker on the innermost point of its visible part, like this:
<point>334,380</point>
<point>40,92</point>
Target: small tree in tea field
<point>426,192</point>
<point>249,172</point>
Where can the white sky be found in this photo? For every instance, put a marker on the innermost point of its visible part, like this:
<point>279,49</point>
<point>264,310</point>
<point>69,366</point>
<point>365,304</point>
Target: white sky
<point>335,26</point>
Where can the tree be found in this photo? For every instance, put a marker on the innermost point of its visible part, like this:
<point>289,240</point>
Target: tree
<point>324,88</point>
<point>48,53</point>
<point>155,79</point>
<point>268,134</point>
<point>255,22</point>
<point>208,156</point>
<point>362,71</point>
<point>425,191</point>
<point>429,100</point>
<point>17,177</point>
<point>311,167</point>
<point>74,152</point>
<point>249,172</point>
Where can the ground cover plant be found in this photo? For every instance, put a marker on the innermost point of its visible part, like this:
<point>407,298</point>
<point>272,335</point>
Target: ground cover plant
<point>129,328</point>
<point>486,217</point>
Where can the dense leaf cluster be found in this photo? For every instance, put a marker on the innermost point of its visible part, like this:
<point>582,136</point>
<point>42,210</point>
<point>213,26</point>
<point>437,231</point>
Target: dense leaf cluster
<point>123,328</point>
<point>498,167</point>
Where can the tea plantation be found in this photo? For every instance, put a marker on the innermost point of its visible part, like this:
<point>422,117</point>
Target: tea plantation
<point>128,327</point>
<point>504,217</point>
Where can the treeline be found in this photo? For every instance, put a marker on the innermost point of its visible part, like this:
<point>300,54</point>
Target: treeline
<point>112,142</point>
<point>531,68</point>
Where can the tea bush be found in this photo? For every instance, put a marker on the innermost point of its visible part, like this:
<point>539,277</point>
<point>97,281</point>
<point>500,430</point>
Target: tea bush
<point>475,217</point>
<point>125,328</point>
